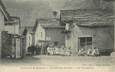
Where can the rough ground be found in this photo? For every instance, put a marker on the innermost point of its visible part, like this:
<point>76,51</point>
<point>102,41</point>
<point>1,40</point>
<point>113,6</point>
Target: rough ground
<point>104,63</point>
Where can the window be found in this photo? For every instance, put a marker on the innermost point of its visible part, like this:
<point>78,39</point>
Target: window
<point>85,42</point>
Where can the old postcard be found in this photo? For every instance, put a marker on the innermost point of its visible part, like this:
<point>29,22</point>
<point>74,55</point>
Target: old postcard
<point>57,36</point>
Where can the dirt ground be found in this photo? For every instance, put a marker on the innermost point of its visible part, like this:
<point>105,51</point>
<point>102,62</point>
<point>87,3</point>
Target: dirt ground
<point>105,63</point>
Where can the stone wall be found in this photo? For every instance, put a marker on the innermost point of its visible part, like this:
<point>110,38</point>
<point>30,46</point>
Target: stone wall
<point>102,37</point>
<point>55,34</point>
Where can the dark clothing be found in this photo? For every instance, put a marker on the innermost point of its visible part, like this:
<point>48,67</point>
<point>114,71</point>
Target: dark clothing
<point>38,50</point>
<point>32,49</point>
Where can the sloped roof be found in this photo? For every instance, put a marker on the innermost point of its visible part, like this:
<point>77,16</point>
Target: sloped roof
<point>75,14</point>
<point>4,11</point>
<point>87,17</point>
<point>50,23</point>
<point>52,26</point>
<point>97,24</point>
<point>48,20</point>
<point>47,23</point>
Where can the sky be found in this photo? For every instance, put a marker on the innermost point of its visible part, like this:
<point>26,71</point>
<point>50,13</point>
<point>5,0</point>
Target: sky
<point>29,10</point>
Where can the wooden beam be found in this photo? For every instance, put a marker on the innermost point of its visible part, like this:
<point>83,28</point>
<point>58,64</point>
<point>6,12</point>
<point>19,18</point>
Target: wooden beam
<point>11,22</point>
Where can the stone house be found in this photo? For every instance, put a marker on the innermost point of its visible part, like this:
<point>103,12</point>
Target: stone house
<point>86,28</point>
<point>13,27</point>
<point>10,28</point>
<point>48,31</point>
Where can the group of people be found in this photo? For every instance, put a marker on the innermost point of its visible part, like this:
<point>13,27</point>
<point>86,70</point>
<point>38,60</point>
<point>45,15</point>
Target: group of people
<point>34,50</point>
<point>62,50</point>
<point>89,52</point>
<point>49,50</point>
<point>58,51</point>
